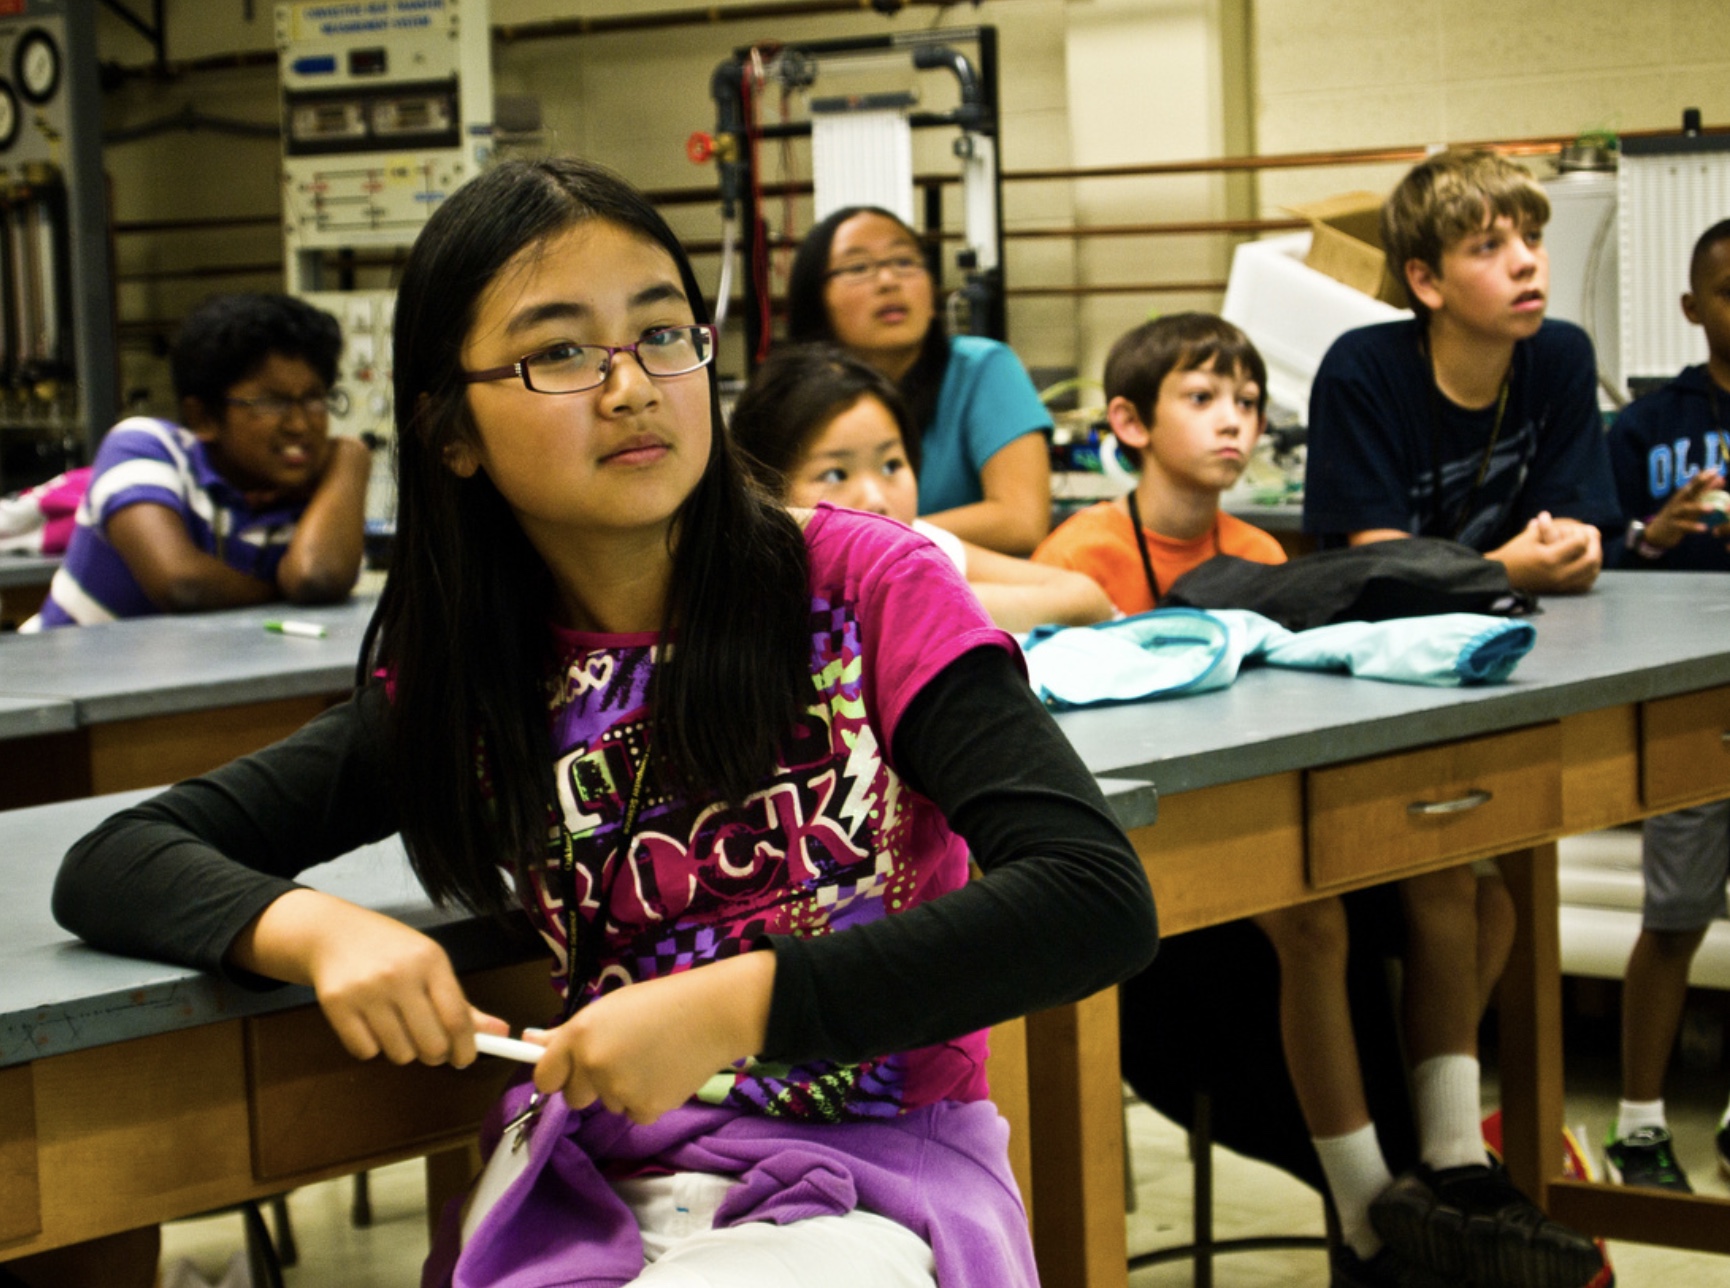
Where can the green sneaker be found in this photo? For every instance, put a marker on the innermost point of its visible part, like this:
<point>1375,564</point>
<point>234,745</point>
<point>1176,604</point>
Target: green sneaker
<point>1645,1158</point>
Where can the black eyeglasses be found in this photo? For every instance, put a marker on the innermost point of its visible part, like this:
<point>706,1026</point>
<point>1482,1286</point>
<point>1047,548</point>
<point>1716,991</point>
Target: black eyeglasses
<point>278,406</point>
<point>572,368</point>
<point>865,270</point>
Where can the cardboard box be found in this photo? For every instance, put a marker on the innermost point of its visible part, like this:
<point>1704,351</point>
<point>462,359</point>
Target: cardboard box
<point>1346,244</point>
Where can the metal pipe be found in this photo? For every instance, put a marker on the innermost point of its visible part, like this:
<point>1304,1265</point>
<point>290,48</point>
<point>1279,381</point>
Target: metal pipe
<point>190,118</point>
<point>971,114</point>
<point>707,16</point>
<point>222,223</point>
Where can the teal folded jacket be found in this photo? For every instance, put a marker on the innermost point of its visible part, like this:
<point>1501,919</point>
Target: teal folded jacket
<point>1173,651</point>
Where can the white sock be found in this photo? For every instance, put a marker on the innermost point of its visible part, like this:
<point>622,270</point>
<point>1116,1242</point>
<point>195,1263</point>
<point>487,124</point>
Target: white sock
<point>1356,1173</point>
<point>1635,1114</point>
<point>1450,1111</point>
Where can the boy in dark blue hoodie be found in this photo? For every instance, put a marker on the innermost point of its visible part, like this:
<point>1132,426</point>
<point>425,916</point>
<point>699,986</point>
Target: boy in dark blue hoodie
<point>1669,452</point>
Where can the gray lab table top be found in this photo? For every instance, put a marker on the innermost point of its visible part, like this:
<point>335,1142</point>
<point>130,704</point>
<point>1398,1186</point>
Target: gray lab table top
<point>27,717</point>
<point>1637,635</point>
<point>27,570</point>
<point>152,666</point>
<point>59,995</point>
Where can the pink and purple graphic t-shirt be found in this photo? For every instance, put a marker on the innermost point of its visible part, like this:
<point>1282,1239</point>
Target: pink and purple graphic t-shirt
<point>834,839</point>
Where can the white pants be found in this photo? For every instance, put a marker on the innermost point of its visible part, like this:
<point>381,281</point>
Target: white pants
<point>676,1216</point>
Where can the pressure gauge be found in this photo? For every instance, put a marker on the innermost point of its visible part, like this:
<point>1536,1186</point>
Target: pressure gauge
<point>36,64</point>
<point>10,117</point>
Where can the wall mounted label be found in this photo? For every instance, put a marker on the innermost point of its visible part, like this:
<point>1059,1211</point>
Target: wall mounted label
<point>365,17</point>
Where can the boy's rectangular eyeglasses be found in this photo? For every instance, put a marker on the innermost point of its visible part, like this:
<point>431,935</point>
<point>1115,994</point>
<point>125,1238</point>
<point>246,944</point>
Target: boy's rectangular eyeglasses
<point>277,407</point>
<point>572,368</point>
<point>865,270</point>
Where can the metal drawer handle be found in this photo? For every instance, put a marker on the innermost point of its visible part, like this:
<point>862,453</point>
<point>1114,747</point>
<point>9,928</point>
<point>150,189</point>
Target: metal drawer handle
<point>1459,805</point>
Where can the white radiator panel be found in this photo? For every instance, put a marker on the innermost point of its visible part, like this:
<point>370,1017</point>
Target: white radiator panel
<point>862,159</point>
<point>1665,201</point>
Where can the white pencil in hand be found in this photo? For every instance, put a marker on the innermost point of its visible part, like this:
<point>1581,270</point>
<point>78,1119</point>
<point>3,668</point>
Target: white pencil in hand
<point>508,1048</point>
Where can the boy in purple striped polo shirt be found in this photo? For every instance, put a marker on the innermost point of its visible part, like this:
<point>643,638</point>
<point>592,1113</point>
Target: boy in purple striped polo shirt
<point>248,500</point>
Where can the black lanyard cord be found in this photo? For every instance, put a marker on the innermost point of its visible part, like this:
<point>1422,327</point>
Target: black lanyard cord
<point>1146,557</point>
<point>1464,514</point>
<point>580,967</point>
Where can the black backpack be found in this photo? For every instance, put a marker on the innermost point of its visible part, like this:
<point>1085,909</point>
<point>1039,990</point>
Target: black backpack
<point>1369,583</point>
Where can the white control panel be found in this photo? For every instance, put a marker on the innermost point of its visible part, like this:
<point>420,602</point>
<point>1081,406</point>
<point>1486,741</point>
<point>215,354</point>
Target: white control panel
<point>386,110</point>
<point>364,375</point>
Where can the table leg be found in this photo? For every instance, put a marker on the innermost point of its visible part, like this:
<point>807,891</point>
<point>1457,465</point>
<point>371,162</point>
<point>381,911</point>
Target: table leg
<point>449,1173</point>
<point>1530,1026</point>
<point>1076,1104</point>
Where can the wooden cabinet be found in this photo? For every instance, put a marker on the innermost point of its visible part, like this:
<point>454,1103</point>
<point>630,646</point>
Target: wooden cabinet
<point>20,1190</point>
<point>1384,818</point>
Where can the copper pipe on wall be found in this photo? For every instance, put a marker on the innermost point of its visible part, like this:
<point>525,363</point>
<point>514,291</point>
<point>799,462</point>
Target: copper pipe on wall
<point>1204,165</point>
<point>1160,230</point>
<point>1123,288</point>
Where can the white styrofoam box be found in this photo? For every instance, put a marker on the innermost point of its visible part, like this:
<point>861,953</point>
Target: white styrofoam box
<point>1668,193</point>
<point>1293,313</point>
<point>1601,869</point>
<point>1601,890</point>
<point>1596,943</point>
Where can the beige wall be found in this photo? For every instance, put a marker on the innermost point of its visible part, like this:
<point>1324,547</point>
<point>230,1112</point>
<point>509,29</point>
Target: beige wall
<point>1369,73</point>
<point>1085,82</point>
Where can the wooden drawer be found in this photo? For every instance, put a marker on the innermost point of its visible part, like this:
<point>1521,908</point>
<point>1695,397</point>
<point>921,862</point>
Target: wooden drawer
<point>1403,813</point>
<point>1685,748</point>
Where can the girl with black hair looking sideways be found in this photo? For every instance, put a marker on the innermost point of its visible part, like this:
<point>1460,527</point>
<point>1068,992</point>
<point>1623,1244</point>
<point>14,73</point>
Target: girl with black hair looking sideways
<point>817,424</point>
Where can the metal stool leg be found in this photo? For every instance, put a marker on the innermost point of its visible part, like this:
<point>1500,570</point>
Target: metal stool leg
<point>287,1251</point>
<point>1203,1245</point>
<point>1201,1167</point>
<point>361,1210</point>
<point>260,1251</point>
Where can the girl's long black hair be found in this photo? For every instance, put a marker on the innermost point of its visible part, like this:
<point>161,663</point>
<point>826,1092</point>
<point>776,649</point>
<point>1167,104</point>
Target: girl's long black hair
<point>462,629</point>
<point>808,314</point>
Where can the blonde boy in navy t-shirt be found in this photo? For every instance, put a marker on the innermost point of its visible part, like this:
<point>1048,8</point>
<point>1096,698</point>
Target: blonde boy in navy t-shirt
<point>1476,421</point>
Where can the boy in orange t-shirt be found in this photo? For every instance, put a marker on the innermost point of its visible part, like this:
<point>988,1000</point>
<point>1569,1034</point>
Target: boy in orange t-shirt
<point>1186,397</point>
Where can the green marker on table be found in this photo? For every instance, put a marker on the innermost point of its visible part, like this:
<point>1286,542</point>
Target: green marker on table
<point>306,630</point>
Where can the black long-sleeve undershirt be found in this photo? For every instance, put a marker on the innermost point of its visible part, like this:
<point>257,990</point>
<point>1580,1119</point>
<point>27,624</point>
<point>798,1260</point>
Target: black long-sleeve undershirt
<point>1062,910</point>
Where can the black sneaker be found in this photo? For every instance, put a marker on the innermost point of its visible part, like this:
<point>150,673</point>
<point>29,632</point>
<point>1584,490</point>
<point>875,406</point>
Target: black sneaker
<point>1722,1141</point>
<point>1469,1225</point>
<point>1645,1157</point>
<point>1387,1269</point>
